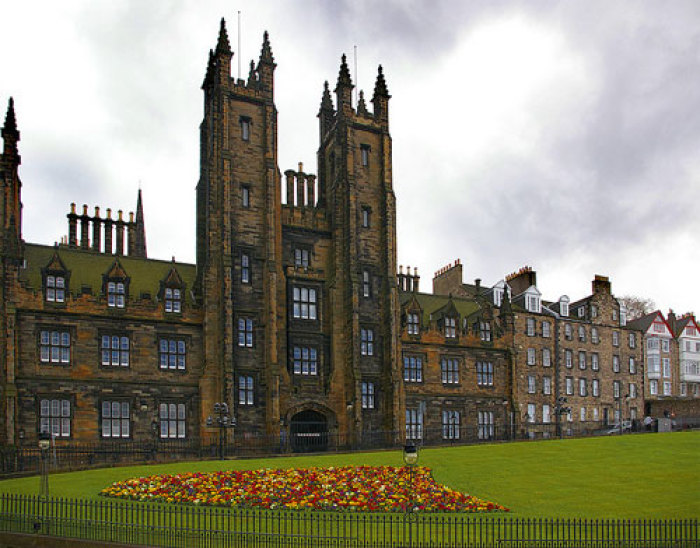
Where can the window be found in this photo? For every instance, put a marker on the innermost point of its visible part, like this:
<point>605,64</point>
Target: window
<point>367,342</point>
<point>616,389</point>
<point>691,331</point>
<point>653,344</point>
<point>172,420</point>
<point>367,391</point>
<point>583,414</point>
<point>616,338</point>
<point>567,332</point>
<point>115,350</point>
<point>664,345</point>
<point>115,419</point>
<point>684,389</point>
<point>616,364</point>
<point>594,335</point>
<point>546,413</point>
<point>581,333</point>
<point>594,311</point>
<point>531,412</point>
<point>484,374</point>
<point>547,385</point>
<point>546,357</point>
<point>412,323</point>
<point>485,331</point>
<point>413,369</point>
<point>582,388</point>
<point>614,314</point>
<point>546,329</point>
<point>365,217</point>
<point>245,269</point>
<point>582,360</point>
<point>54,347</point>
<point>245,390</point>
<point>659,327</point>
<point>54,417</point>
<point>55,289</point>
<point>245,128</point>
<point>581,311</point>
<point>595,414</point>
<point>364,153</point>
<point>450,327</point>
<point>305,360</point>
<point>564,308</point>
<point>531,384</point>
<point>304,303</point>
<point>173,299</point>
<point>632,390</point>
<point>667,367</point>
<point>654,365</point>
<point>595,387</point>
<point>633,366</point>
<point>568,358</point>
<point>595,365</point>
<point>245,196</point>
<point>531,327</point>
<point>414,424</point>
<point>653,387</point>
<point>485,425</point>
<point>115,294</point>
<point>301,257</point>
<point>450,425</point>
<point>569,386</point>
<point>532,303</point>
<point>366,287</point>
<point>531,356</point>
<point>172,354</point>
<point>632,340</point>
<point>245,332</point>
<point>449,370</point>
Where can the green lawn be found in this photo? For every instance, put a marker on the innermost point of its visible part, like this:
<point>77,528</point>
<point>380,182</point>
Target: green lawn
<point>635,476</point>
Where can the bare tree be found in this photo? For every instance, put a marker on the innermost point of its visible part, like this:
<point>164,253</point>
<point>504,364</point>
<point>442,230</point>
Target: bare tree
<point>636,306</point>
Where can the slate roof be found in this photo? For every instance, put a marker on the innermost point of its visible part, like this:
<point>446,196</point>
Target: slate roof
<point>643,323</point>
<point>87,268</point>
<point>430,304</point>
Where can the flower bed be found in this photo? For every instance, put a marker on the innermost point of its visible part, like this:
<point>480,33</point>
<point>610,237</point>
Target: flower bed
<point>361,488</point>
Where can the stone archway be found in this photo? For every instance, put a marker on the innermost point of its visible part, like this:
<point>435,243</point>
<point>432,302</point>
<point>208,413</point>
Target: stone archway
<point>308,431</point>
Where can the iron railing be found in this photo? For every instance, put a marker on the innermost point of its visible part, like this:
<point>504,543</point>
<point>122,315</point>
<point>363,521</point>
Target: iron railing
<point>192,526</point>
<point>69,455</point>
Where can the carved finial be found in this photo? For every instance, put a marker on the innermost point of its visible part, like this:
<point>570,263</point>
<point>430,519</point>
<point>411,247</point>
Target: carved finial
<point>326,101</point>
<point>344,74</point>
<point>252,76</point>
<point>10,120</point>
<point>266,51</point>
<point>380,89</point>
<point>223,45</point>
<point>361,105</point>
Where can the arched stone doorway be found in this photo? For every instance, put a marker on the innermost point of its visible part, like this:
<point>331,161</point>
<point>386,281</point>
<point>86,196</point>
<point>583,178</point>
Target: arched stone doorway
<point>308,431</point>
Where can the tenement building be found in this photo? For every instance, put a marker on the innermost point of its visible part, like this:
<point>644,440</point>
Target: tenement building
<point>295,313</point>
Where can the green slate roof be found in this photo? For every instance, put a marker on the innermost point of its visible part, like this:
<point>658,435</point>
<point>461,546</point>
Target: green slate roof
<point>87,268</point>
<point>430,304</point>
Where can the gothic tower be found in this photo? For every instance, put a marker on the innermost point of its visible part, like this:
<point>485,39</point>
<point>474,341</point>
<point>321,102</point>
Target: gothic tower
<point>355,184</point>
<point>238,238</point>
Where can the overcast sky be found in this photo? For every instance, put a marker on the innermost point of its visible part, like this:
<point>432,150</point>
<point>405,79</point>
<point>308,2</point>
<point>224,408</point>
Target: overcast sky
<point>561,135</point>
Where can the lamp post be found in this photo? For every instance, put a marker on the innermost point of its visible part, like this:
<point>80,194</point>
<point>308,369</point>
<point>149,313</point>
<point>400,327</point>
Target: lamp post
<point>223,420</point>
<point>44,446</point>
<point>410,459</point>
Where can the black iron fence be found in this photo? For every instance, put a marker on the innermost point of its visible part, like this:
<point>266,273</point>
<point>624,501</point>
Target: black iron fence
<point>196,526</point>
<point>68,455</point>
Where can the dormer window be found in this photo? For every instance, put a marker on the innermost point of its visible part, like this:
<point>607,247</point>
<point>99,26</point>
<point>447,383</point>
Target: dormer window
<point>450,327</point>
<point>173,300</point>
<point>412,323</point>
<point>564,306</point>
<point>55,289</point>
<point>532,301</point>
<point>116,294</point>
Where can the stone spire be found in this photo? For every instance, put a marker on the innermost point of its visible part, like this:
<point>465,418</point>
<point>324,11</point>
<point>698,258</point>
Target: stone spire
<point>326,101</point>
<point>140,239</point>
<point>9,132</point>
<point>266,51</point>
<point>266,65</point>
<point>344,79</point>
<point>343,89</point>
<point>380,100</point>
<point>223,45</point>
<point>361,105</point>
<point>380,89</point>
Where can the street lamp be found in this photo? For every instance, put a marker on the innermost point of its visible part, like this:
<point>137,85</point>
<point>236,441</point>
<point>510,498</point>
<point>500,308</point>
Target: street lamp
<point>44,446</point>
<point>410,459</point>
<point>222,421</point>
